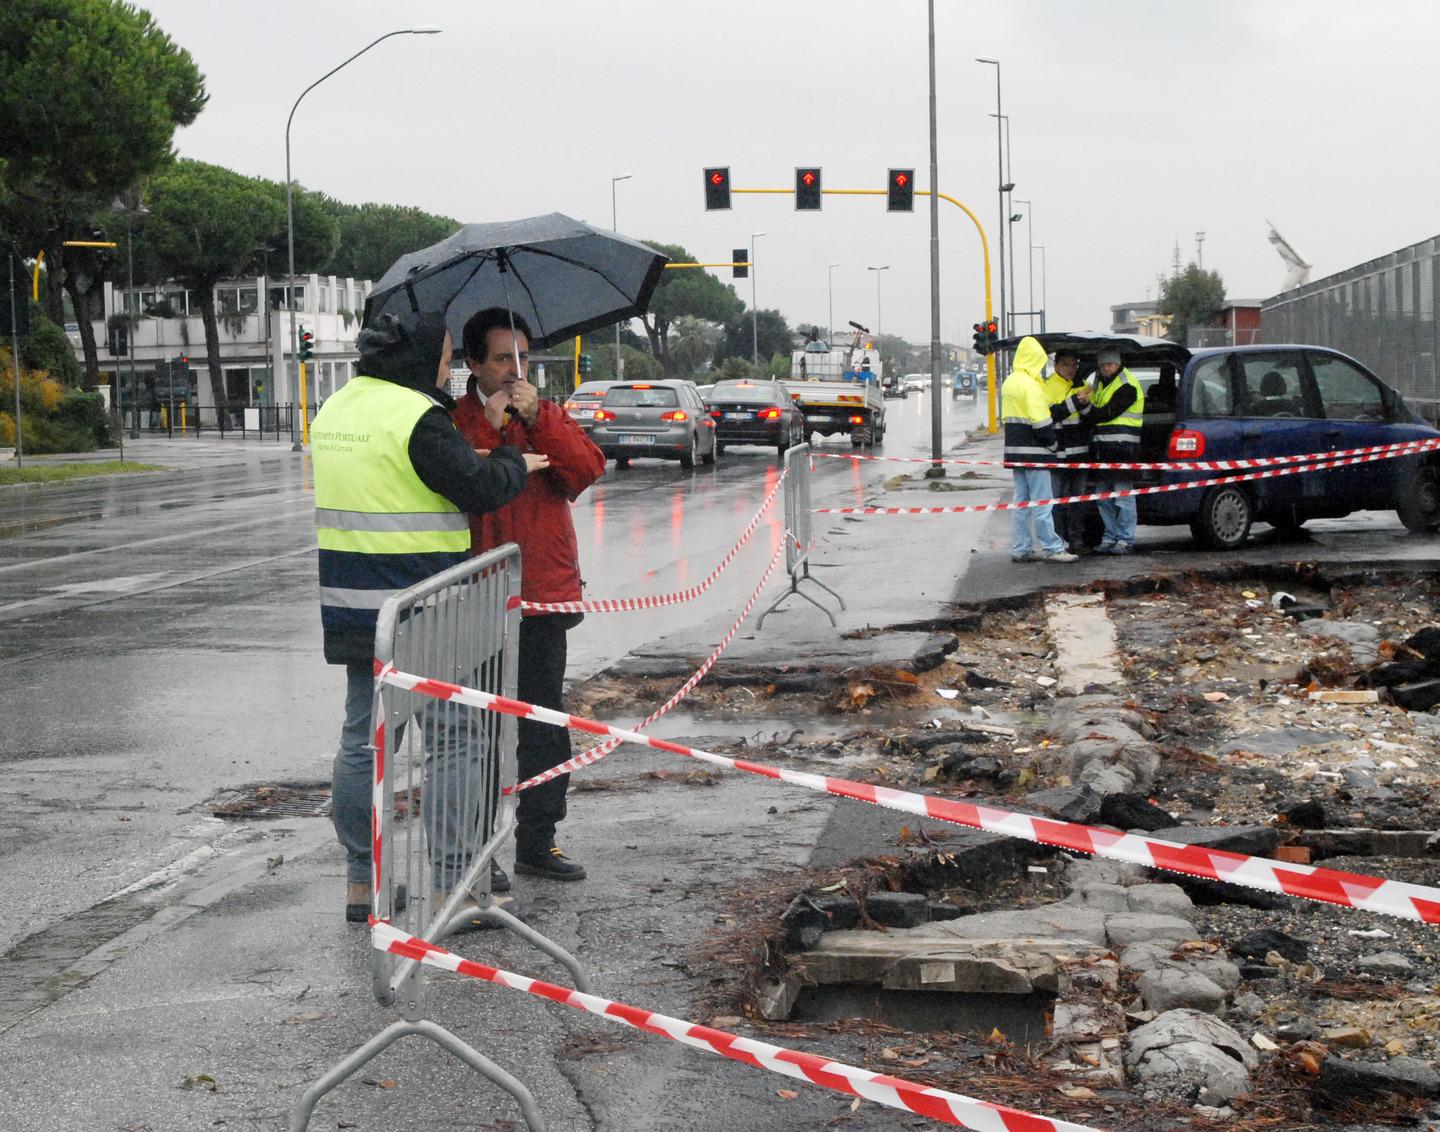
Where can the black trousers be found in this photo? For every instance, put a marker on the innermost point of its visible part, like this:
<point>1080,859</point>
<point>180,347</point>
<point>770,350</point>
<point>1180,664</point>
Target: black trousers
<point>541,681</point>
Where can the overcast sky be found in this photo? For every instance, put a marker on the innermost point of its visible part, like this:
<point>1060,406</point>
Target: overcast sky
<point>1134,124</point>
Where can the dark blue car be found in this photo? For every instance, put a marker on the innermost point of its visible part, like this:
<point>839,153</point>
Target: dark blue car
<point>1250,402</point>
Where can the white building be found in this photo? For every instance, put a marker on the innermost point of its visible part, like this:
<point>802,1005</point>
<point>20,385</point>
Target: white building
<point>255,340</point>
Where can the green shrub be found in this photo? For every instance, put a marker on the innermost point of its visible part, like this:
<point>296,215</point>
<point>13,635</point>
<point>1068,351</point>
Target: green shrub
<point>85,413</point>
<point>47,347</point>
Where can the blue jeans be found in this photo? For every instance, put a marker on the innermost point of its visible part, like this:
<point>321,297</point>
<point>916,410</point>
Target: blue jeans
<point>1033,483</point>
<point>451,791</point>
<point>1118,515</point>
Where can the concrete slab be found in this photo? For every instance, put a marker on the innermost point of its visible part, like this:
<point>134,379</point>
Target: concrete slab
<point>1085,645</point>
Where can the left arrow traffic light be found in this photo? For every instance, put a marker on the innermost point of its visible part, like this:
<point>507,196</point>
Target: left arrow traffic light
<point>717,188</point>
<point>807,189</point>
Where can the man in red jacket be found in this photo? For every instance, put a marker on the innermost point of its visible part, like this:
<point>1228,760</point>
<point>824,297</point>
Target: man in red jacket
<point>501,407</point>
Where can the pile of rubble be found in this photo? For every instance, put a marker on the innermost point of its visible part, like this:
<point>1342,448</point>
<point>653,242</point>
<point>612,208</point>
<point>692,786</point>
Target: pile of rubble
<point>1280,720</point>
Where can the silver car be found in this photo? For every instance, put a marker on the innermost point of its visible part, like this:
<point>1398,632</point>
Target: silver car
<point>664,419</point>
<point>584,400</point>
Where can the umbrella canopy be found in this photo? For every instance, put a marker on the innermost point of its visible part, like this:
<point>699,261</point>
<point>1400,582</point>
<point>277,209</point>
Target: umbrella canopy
<point>561,275</point>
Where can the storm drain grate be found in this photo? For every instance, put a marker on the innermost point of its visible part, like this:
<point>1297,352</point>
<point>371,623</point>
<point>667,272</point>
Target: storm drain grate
<point>273,801</point>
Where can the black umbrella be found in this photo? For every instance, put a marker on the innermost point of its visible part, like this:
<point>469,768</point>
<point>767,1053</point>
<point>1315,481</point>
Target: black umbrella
<point>563,276</point>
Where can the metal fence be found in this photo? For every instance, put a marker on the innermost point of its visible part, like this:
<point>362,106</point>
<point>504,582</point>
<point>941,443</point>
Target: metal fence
<point>799,534</point>
<point>1382,313</point>
<point>440,814</point>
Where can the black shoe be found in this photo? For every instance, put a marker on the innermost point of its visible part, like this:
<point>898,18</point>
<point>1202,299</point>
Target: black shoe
<point>357,912</point>
<point>550,863</point>
<point>499,878</point>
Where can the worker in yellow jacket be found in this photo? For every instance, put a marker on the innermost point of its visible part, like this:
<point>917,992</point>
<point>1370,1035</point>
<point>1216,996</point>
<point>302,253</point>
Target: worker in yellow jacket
<point>1031,449</point>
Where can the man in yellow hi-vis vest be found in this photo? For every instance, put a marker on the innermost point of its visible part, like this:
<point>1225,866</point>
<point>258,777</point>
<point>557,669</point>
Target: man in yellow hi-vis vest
<point>394,482</point>
<point>1115,414</point>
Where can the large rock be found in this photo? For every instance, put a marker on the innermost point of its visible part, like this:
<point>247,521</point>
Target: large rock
<point>1283,741</point>
<point>1053,921</point>
<point>1124,928</point>
<point>1408,1076</point>
<point>1168,988</point>
<point>1157,956</point>
<point>1068,803</point>
<point>1254,840</point>
<point>1183,1052</point>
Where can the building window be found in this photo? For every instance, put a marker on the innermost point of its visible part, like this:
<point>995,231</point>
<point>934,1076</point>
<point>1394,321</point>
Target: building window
<point>324,307</point>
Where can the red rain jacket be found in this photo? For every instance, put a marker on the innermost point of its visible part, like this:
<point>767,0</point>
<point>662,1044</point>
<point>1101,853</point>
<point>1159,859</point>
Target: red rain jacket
<point>538,519</point>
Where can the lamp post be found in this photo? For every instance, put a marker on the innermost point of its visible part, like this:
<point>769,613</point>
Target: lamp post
<point>830,337</point>
<point>615,226</point>
<point>1007,187</point>
<point>754,312</point>
<point>1029,216</point>
<point>879,311</point>
<point>1000,165</point>
<point>290,219</point>
<point>129,211</point>
<point>1043,303</point>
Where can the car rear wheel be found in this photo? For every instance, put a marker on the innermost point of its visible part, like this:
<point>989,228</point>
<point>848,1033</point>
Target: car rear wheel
<point>1224,518</point>
<point>687,459</point>
<point>622,461</point>
<point>1419,506</point>
<point>709,460</point>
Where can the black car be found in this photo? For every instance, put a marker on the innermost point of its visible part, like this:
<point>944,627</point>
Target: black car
<point>754,412</point>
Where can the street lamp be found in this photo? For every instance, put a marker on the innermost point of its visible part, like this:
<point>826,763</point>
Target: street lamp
<point>1000,163</point>
<point>290,216</point>
<point>830,339</point>
<point>754,312</point>
<point>125,209</point>
<point>615,226</point>
<point>1030,259</point>
<point>1007,186</point>
<point>1043,304</point>
<point>879,313</point>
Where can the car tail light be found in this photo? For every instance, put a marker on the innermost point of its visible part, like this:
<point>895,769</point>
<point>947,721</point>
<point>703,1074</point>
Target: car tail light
<point>1186,444</point>
<point>716,413</point>
<point>857,419</point>
<point>642,387</point>
<point>675,415</point>
<point>604,415</point>
<point>771,414</point>
<point>571,406</point>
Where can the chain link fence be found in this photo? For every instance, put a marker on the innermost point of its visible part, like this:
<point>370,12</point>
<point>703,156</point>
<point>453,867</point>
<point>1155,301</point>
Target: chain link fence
<point>1382,313</point>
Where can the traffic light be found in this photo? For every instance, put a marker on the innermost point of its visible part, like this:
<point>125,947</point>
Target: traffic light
<point>717,188</point>
<point>587,364</point>
<point>807,189</point>
<point>986,334</point>
<point>740,261</point>
<point>14,297</point>
<point>900,191</point>
<point>120,340</point>
<point>307,343</point>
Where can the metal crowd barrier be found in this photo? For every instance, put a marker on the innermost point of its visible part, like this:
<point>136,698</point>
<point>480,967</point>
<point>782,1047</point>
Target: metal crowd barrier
<point>439,814</point>
<point>799,535</point>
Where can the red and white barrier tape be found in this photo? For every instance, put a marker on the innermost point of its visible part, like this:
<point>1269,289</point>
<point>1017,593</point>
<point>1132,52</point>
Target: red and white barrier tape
<point>1154,489</point>
<point>598,752</point>
<point>629,604</point>
<point>1402,448</point>
<point>1351,890</point>
<point>894,1092</point>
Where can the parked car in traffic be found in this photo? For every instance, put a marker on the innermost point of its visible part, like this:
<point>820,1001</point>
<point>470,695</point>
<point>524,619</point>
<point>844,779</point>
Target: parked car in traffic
<point>754,412</point>
<point>915,382</point>
<point>966,383</point>
<point>584,400</point>
<point>1251,402</point>
<point>664,419</point>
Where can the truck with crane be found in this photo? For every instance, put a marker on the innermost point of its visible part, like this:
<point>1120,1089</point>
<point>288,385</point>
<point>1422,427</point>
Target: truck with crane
<point>838,388</point>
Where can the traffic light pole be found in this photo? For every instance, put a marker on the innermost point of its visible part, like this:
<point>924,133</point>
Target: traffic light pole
<point>16,297</point>
<point>984,252</point>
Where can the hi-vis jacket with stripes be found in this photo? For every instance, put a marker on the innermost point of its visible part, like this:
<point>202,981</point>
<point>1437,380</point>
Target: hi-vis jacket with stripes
<point>1025,408</point>
<point>1115,414</point>
<point>381,451</point>
<point>1065,409</point>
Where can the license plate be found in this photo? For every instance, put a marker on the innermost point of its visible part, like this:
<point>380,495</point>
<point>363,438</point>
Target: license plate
<point>821,417</point>
<point>637,440</point>
<point>582,414</point>
<point>738,416</point>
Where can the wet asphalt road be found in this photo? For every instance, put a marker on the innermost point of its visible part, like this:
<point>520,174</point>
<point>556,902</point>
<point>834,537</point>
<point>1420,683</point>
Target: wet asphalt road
<point>160,638</point>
